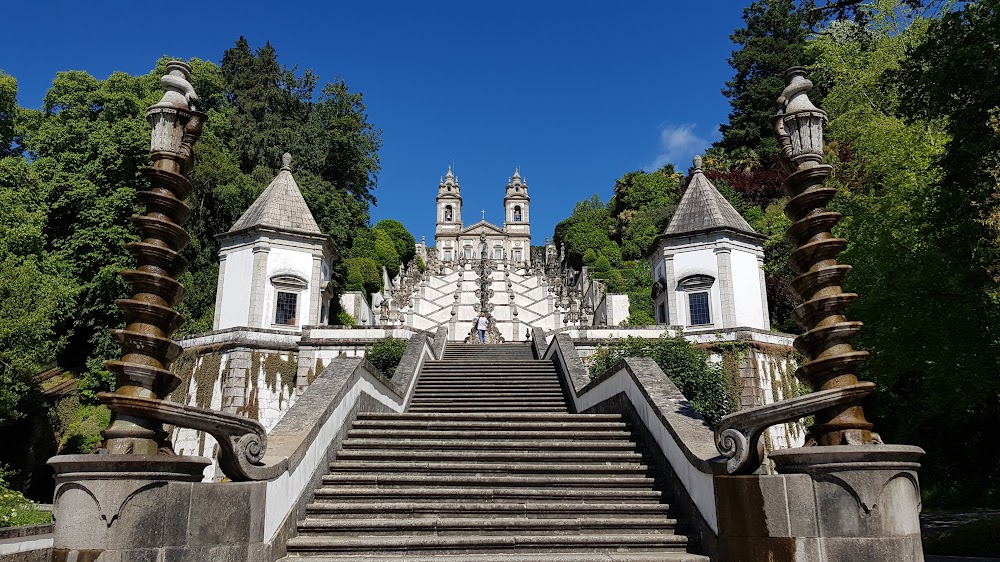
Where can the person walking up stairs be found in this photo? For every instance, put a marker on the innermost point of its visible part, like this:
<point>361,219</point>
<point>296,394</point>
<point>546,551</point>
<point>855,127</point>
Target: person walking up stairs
<point>488,464</point>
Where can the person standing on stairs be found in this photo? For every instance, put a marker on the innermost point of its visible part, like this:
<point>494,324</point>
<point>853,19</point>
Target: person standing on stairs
<point>482,324</point>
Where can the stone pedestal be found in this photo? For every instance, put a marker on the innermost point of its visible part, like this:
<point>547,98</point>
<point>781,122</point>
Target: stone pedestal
<point>829,504</point>
<point>121,507</point>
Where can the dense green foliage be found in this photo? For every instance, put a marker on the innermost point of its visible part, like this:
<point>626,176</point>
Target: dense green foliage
<point>914,139</point>
<point>15,509</point>
<point>612,239</point>
<point>704,384</point>
<point>68,176</point>
<point>385,354</point>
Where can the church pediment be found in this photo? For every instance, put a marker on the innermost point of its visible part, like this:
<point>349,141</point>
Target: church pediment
<point>482,227</point>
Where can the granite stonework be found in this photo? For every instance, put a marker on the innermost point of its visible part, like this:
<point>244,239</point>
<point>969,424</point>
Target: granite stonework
<point>761,362</point>
<point>134,508</point>
<point>841,503</point>
<point>259,373</point>
<point>30,543</point>
<point>829,504</point>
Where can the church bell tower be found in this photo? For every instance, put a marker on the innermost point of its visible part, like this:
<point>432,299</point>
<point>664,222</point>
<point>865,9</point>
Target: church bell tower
<point>516,223</point>
<point>449,217</point>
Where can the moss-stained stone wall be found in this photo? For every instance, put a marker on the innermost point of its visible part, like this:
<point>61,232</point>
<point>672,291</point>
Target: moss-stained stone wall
<point>762,374</point>
<point>258,384</point>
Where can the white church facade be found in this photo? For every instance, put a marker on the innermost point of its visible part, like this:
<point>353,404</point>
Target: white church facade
<point>511,242</point>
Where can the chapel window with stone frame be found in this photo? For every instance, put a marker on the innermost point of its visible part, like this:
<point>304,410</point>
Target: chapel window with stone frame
<point>447,255</point>
<point>468,252</point>
<point>517,255</point>
<point>287,289</point>
<point>497,252</point>
<point>698,288</point>
<point>700,313</point>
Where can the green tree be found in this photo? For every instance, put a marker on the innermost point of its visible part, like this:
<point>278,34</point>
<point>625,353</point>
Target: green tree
<point>406,245</point>
<point>8,109</point>
<point>773,40</point>
<point>363,275</point>
<point>916,218</point>
<point>34,296</point>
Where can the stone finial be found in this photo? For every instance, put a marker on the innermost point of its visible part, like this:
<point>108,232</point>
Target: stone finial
<point>795,97</point>
<point>178,91</point>
<point>450,174</point>
<point>697,162</point>
<point>286,162</point>
<point>517,173</point>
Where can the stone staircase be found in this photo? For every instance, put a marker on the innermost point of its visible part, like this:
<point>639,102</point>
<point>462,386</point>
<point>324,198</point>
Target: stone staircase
<point>489,465</point>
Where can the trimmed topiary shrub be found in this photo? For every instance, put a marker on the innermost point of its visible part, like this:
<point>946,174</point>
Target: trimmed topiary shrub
<point>364,275</point>
<point>385,354</point>
<point>589,257</point>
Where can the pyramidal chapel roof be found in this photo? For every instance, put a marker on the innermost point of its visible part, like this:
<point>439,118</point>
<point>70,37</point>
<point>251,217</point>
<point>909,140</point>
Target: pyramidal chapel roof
<point>703,209</point>
<point>280,206</point>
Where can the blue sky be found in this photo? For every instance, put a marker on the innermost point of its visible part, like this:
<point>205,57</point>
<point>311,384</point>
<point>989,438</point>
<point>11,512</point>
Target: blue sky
<point>574,93</point>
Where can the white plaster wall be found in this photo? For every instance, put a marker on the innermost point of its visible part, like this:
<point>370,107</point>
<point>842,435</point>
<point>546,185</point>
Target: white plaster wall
<point>295,262</point>
<point>236,289</point>
<point>697,262</point>
<point>746,290</point>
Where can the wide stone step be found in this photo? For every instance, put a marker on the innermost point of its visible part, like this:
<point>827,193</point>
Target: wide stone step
<point>487,493</point>
<point>486,526</point>
<point>483,417</point>
<point>489,543</point>
<point>533,509</point>
<point>502,363</point>
<point>490,445</point>
<point>491,456</point>
<point>454,480</point>
<point>451,433</point>
<point>453,375</point>
<point>540,467</point>
<point>501,425</point>
<point>495,392</point>
<point>512,407</point>
<point>668,556</point>
<point>489,386</point>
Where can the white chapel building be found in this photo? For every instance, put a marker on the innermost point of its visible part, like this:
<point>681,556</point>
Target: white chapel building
<point>707,264</point>
<point>275,263</point>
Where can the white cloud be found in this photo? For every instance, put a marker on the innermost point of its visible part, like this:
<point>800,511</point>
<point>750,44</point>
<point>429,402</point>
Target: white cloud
<point>678,145</point>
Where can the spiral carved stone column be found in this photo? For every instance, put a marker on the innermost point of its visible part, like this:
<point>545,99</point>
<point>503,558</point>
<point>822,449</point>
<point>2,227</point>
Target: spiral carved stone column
<point>846,496</point>
<point>831,361</point>
<point>147,348</point>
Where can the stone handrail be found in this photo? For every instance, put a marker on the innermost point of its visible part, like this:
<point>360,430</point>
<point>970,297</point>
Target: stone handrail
<point>681,434</point>
<point>308,430</point>
<point>738,434</point>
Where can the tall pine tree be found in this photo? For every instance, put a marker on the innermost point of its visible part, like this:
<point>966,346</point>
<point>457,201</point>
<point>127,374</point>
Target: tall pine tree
<point>773,40</point>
